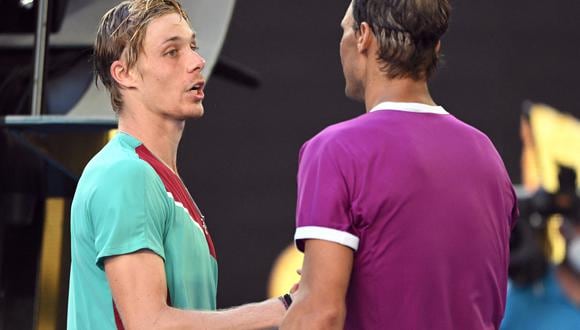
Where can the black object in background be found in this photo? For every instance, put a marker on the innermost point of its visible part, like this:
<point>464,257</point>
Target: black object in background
<point>68,75</point>
<point>18,18</point>
<point>528,261</point>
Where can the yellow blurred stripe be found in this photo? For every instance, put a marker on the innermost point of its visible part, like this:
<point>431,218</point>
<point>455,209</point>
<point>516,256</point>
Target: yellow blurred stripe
<point>557,242</point>
<point>557,140</point>
<point>50,264</point>
<point>111,134</point>
<point>283,275</point>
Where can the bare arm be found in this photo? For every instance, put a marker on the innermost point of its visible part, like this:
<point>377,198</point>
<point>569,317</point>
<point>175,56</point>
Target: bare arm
<point>319,303</point>
<point>139,289</point>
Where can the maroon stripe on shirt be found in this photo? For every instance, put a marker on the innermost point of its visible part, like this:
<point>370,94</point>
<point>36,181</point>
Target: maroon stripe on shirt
<point>118,321</point>
<point>174,185</point>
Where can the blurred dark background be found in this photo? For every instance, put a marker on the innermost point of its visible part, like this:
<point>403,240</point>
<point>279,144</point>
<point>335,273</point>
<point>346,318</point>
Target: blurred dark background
<point>239,162</point>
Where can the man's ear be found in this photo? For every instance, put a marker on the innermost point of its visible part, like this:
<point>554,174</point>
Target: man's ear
<point>122,74</point>
<point>364,37</point>
<point>438,47</point>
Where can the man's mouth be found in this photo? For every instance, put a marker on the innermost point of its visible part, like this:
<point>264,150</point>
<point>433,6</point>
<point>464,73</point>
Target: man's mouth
<point>198,86</point>
<point>197,89</point>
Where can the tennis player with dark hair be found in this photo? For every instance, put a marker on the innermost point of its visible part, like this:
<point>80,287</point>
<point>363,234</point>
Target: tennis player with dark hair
<point>404,213</point>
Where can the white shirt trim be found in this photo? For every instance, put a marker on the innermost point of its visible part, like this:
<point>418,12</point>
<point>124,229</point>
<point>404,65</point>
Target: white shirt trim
<point>327,234</point>
<point>410,107</point>
<point>180,205</point>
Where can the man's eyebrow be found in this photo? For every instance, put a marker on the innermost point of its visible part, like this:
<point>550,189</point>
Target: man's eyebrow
<point>178,39</point>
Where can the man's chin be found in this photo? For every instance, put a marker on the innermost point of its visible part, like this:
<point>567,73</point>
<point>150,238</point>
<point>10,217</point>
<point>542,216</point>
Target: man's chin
<point>195,113</point>
<point>353,95</point>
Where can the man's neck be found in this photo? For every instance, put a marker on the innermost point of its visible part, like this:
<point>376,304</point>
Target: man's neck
<point>398,90</point>
<point>159,134</point>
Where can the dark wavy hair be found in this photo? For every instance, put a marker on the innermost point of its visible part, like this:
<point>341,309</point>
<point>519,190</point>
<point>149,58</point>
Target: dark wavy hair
<point>407,32</point>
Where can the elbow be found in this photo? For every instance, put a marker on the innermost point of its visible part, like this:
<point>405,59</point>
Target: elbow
<point>316,312</point>
<point>334,318</point>
<point>330,317</point>
<point>150,320</point>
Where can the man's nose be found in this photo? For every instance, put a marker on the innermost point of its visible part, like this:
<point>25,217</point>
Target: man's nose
<point>197,62</point>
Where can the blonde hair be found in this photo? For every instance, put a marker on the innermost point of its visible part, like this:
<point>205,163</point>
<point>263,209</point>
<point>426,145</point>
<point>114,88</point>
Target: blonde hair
<point>121,33</point>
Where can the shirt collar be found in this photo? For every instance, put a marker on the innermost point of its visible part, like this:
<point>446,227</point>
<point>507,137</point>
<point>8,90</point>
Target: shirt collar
<point>410,107</point>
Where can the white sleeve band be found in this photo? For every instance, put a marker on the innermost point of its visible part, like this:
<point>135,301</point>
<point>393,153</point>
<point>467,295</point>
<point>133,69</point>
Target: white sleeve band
<point>327,234</point>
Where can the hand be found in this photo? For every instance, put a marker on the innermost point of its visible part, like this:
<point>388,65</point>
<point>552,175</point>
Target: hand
<point>295,287</point>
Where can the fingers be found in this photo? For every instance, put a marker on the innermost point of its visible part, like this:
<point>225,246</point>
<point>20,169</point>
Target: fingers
<point>294,288</point>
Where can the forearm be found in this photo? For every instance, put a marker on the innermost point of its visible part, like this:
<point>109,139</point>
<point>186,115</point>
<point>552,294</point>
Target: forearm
<point>139,290</point>
<point>320,303</point>
<point>262,315</point>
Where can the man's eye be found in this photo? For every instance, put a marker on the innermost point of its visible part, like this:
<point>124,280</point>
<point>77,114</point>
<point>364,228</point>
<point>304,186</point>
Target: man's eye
<point>172,52</point>
<point>194,47</point>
